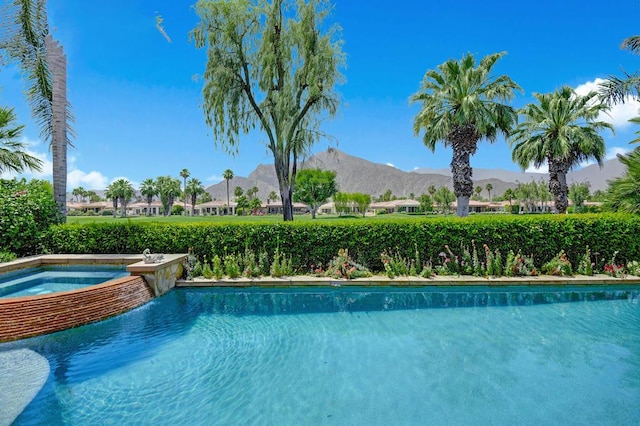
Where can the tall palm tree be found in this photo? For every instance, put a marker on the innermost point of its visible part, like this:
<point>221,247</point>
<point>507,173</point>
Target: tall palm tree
<point>432,191</point>
<point>462,104</point>
<point>227,175</point>
<point>13,158</point>
<point>168,189</point>
<point>194,188</point>
<point>562,131</point>
<point>489,188</point>
<point>148,190</point>
<point>184,174</point>
<point>111,193</point>
<point>121,191</point>
<point>43,64</point>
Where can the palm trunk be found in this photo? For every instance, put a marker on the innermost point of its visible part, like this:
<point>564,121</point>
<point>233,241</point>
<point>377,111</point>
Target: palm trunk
<point>464,140</point>
<point>57,62</point>
<point>558,184</point>
<point>462,182</point>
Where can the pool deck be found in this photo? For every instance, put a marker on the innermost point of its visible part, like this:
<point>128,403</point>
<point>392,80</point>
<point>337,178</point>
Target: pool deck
<point>407,281</point>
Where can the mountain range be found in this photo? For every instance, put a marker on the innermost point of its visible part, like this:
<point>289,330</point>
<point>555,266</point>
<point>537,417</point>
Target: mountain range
<point>354,174</point>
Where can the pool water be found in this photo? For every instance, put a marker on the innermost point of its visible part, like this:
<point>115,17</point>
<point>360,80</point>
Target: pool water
<point>345,356</point>
<point>55,278</point>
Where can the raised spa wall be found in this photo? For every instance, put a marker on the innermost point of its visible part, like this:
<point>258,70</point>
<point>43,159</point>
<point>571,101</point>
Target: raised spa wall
<point>29,316</point>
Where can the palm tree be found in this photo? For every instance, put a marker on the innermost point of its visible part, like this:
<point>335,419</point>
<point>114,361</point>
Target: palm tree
<point>489,188</point>
<point>615,90</point>
<point>79,192</point>
<point>184,174</point>
<point>168,189</point>
<point>478,191</point>
<point>194,188</point>
<point>227,175</point>
<point>121,190</point>
<point>462,104</point>
<point>623,193</point>
<point>432,191</point>
<point>43,63</point>
<point>510,194</point>
<point>148,190</point>
<point>110,193</point>
<point>562,131</point>
<point>13,158</point>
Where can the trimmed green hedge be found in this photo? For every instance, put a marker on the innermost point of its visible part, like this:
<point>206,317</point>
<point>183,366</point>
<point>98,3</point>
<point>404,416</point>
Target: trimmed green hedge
<point>317,242</point>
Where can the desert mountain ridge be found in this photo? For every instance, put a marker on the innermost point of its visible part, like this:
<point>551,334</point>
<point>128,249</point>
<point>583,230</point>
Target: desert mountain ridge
<point>355,174</point>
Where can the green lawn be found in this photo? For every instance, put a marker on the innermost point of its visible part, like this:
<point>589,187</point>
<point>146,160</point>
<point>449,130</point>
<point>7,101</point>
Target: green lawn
<point>261,219</point>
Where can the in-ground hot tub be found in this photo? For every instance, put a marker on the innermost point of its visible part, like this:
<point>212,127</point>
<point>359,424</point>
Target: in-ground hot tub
<point>31,315</point>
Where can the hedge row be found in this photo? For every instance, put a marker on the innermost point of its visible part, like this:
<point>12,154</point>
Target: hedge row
<point>317,242</point>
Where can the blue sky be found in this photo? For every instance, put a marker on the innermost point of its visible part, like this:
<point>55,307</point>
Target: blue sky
<point>136,97</point>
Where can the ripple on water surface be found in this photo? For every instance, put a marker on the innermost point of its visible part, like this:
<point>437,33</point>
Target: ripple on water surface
<point>182,359</point>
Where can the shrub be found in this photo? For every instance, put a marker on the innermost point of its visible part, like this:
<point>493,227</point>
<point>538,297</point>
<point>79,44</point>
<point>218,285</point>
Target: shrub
<point>585,265</point>
<point>309,243</point>
<point>559,265</point>
<point>6,256</point>
<point>27,210</point>
<point>343,266</point>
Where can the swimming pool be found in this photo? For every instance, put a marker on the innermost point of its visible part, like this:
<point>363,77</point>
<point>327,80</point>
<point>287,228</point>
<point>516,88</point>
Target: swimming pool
<point>55,278</point>
<point>350,356</point>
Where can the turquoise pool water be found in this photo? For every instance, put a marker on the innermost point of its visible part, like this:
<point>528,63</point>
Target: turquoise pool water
<point>55,278</point>
<point>344,356</point>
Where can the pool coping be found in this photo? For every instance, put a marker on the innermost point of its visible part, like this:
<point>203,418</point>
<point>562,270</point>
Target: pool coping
<point>409,281</point>
<point>66,259</point>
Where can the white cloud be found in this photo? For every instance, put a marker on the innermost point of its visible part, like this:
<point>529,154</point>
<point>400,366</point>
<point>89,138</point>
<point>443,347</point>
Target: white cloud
<point>390,165</point>
<point>614,151</point>
<point>416,168</point>
<point>543,169</point>
<point>92,180</point>
<point>619,114</point>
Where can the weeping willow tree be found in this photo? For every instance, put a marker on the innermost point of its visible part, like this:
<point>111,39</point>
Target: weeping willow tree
<point>25,40</point>
<point>271,64</point>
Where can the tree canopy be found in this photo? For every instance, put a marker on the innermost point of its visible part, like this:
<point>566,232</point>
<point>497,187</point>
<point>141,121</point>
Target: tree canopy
<point>314,187</point>
<point>561,130</point>
<point>462,103</point>
<point>272,65</point>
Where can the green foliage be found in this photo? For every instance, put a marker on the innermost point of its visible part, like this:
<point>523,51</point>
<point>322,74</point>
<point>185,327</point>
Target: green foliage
<point>231,266</point>
<point>633,268</point>
<point>207,272</point>
<point>177,210</point>
<point>559,265</point>
<point>27,209</point>
<point>462,103</point>
<point>578,194</point>
<point>314,187</point>
<point>519,265</point>
<point>623,194</point>
<point>281,265</point>
<point>561,129</point>
<point>585,265</point>
<point>272,65</point>
<point>7,256</point>
<point>316,242</point>
<point>395,265</point>
<point>13,155</point>
<point>218,270</point>
<point>343,266</point>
